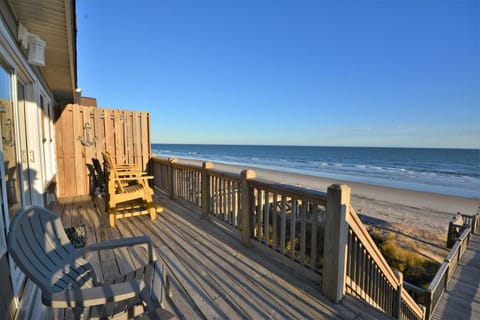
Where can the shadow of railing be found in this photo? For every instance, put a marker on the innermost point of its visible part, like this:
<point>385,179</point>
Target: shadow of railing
<point>317,230</point>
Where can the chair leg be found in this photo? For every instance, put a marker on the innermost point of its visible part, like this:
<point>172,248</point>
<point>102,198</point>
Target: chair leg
<point>152,210</point>
<point>112,219</point>
<point>78,313</point>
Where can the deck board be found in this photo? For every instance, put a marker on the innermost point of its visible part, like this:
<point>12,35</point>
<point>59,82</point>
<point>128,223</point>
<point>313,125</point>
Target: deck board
<point>462,298</point>
<point>211,274</point>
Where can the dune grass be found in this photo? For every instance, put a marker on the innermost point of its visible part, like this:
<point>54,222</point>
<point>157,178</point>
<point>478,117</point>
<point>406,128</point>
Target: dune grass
<point>403,256</point>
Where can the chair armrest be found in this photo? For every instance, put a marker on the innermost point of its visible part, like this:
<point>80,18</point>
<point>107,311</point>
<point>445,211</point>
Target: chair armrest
<point>94,296</point>
<point>127,171</point>
<point>119,243</point>
<point>133,178</point>
<point>126,165</point>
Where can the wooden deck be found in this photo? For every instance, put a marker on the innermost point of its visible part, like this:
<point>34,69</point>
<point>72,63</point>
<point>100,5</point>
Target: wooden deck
<point>462,298</point>
<point>212,275</point>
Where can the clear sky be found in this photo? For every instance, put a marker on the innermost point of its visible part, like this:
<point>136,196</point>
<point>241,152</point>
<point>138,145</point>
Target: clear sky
<point>293,72</point>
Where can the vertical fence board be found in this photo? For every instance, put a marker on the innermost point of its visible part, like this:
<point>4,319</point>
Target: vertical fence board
<point>145,140</point>
<point>125,134</point>
<point>78,187</point>
<point>137,150</point>
<point>109,131</point>
<point>119,154</point>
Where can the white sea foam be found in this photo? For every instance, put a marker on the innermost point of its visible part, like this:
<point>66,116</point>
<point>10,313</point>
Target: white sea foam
<point>419,169</point>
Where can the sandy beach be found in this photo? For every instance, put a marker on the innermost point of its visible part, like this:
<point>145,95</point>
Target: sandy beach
<point>417,218</point>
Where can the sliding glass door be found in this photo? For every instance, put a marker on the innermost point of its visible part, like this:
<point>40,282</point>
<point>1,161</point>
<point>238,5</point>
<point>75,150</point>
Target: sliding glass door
<point>15,174</point>
<point>25,155</point>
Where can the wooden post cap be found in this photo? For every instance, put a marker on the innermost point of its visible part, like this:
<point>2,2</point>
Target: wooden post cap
<point>207,165</point>
<point>248,174</point>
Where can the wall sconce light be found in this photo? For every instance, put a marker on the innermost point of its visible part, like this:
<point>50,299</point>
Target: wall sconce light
<point>36,50</point>
<point>35,45</point>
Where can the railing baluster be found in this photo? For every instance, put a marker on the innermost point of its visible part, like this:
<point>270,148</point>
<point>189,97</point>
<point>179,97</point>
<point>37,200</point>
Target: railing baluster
<point>303,231</point>
<point>283,225</point>
<point>267,218</point>
<point>293,222</point>
<point>314,239</point>
<point>274,222</point>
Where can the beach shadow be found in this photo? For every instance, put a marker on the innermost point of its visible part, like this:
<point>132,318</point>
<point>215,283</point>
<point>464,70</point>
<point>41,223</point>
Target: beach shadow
<point>387,226</point>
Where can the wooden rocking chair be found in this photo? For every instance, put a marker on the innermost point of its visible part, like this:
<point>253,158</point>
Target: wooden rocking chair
<point>127,192</point>
<point>40,247</point>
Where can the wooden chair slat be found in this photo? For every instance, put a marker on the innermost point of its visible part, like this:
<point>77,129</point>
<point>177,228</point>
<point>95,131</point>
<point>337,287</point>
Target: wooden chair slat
<point>123,186</point>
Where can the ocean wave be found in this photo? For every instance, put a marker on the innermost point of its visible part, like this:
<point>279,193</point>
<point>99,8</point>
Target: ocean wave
<point>394,167</point>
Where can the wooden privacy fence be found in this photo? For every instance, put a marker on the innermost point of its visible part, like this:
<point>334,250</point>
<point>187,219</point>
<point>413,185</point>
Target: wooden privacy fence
<point>83,133</point>
<point>318,230</point>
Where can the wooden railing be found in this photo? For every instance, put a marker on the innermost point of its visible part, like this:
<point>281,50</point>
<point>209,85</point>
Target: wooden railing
<point>290,220</point>
<point>284,218</point>
<point>460,231</point>
<point>370,278</point>
<point>458,224</point>
<point>224,196</point>
<point>315,229</point>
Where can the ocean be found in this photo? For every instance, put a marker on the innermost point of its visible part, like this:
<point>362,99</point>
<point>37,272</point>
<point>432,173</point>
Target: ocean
<point>446,171</point>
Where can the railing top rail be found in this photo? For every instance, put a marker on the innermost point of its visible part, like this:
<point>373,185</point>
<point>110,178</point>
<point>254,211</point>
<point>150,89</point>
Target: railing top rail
<point>411,303</point>
<point>468,216</point>
<point>361,232</point>
<point>457,245</point>
<point>159,159</point>
<point>179,163</point>
<point>290,190</point>
<point>224,174</point>
<point>464,234</point>
<point>438,277</point>
<point>186,166</point>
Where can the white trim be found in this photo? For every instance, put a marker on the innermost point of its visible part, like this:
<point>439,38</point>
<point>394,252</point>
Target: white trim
<point>3,206</point>
<point>34,143</point>
<point>18,277</point>
<point>47,150</point>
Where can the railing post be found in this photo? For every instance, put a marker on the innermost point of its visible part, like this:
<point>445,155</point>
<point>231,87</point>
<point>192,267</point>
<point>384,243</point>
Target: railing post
<point>335,245</point>
<point>428,302</point>
<point>170,190</point>
<point>247,206</point>
<point>397,308</point>
<point>450,234</point>
<point>206,188</point>
<point>474,224</point>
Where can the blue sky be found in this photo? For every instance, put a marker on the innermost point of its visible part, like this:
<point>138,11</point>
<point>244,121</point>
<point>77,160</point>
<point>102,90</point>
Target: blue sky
<point>293,72</point>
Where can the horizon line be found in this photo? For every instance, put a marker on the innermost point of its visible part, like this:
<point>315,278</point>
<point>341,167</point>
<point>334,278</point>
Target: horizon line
<point>317,146</point>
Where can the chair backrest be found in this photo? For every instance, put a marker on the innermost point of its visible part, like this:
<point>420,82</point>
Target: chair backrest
<point>98,170</point>
<point>41,249</point>
<point>111,172</point>
<point>108,160</point>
